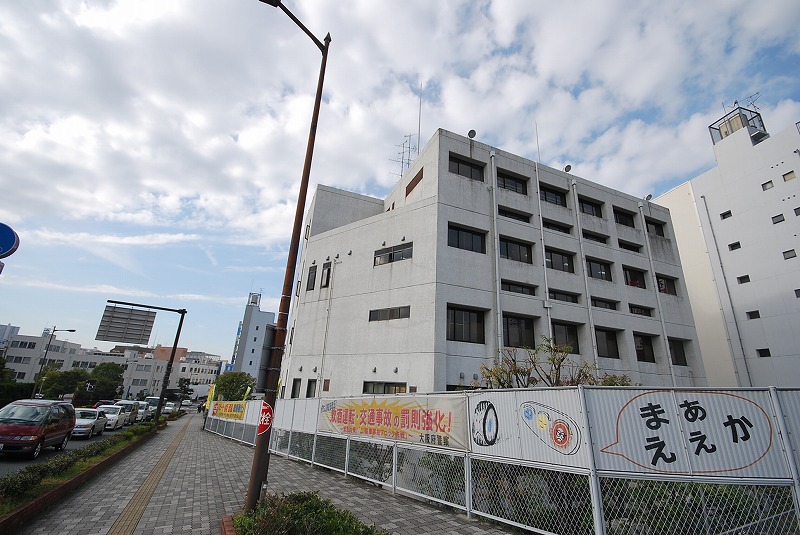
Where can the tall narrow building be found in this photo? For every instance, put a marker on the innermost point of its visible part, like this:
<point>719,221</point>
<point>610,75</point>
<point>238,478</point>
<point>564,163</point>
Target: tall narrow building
<point>254,338</point>
<point>474,252</point>
<point>737,230</point>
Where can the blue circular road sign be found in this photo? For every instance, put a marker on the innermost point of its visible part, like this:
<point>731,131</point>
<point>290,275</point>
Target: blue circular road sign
<point>9,241</point>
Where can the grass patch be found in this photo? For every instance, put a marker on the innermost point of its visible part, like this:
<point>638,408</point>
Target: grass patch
<point>21,487</point>
<point>300,513</point>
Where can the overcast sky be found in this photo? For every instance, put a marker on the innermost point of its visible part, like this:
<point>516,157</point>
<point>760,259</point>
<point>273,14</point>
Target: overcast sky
<point>150,150</point>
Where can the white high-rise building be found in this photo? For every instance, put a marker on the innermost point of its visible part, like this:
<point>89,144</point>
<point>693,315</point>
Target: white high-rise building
<point>254,340</point>
<point>476,250</point>
<point>737,231</point>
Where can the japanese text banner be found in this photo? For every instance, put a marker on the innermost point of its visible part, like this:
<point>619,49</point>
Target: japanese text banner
<point>430,420</point>
<point>686,432</point>
<point>230,410</point>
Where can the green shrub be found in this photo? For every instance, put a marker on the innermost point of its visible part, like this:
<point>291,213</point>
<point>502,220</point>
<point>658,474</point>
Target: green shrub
<point>18,483</point>
<point>298,514</point>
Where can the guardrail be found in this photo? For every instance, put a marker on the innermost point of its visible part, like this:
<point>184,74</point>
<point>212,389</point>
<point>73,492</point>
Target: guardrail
<point>564,461</point>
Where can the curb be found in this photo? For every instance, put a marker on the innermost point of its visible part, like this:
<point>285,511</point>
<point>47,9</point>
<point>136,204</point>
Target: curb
<point>18,517</point>
<point>226,526</point>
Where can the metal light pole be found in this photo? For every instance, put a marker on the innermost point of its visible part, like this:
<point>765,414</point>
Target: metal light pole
<point>258,473</point>
<point>44,358</point>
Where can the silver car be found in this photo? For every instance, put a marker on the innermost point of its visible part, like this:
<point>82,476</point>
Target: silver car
<point>131,409</point>
<point>115,416</point>
<point>89,422</point>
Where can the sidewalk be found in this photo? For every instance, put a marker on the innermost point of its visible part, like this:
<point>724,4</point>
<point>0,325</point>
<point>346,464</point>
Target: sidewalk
<point>185,480</point>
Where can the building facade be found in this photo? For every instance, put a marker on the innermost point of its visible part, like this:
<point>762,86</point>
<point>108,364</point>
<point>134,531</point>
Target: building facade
<point>737,231</point>
<point>477,251</point>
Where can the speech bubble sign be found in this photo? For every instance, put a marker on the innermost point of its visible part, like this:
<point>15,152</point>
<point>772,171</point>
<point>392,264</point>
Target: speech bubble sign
<point>697,432</point>
<point>9,241</point>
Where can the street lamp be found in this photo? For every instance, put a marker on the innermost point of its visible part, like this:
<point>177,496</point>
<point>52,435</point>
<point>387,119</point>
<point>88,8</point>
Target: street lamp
<point>258,473</point>
<point>44,358</point>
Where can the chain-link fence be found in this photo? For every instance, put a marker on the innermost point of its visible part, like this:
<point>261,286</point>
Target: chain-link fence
<point>547,497</point>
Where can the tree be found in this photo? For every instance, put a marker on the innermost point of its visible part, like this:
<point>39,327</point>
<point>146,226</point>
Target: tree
<point>6,374</point>
<point>57,383</point>
<point>107,377</point>
<point>185,390</point>
<point>546,365</point>
<point>232,386</point>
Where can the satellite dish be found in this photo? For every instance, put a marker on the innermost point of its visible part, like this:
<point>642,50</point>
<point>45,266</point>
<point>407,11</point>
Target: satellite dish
<point>472,134</point>
<point>568,168</point>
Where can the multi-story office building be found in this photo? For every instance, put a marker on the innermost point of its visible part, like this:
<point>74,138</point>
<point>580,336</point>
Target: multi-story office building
<point>474,251</point>
<point>254,340</point>
<point>737,231</point>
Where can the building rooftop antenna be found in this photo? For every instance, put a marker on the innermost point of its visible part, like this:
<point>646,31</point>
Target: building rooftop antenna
<point>751,100</point>
<point>404,157</point>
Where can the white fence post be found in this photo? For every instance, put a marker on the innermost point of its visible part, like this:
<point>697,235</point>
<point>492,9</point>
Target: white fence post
<point>787,449</point>
<point>594,480</point>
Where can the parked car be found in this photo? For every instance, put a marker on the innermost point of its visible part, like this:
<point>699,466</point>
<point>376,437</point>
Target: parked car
<point>186,403</point>
<point>169,408</point>
<point>103,402</point>
<point>89,422</point>
<point>28,425</point>
<point>131,409</point>
<point>145,413</point>
<point>115,416</point>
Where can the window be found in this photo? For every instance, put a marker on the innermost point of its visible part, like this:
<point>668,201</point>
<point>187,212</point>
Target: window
<point>629,246</point>
<point>666,285</point>
<point>514,250</point>
<point>559,261</point>
<point>606,343</point>
<point>517,287</point>
<point>753,314</point>
<point>517,331</point>
<point>312,278</point>
<point>511,214</point>
<point>744,279</point>
<point>19,375</point>
<point>777,219</point>
<point>566,335</point>
<point>624,218</point>
<point>788,176</point>
<point>311,388</point>
<point>468,240</point>
<point>384,314</point>
<point>465,168</point>
<point>464,325</point>
<point>640,310</point>
<point>552,196</point>
<point>404,251</point>
<point>590,207</point>
<point>789,254</point>
<point>376,387</point>
<point>767,185</point>
<point>597,238</point>
<point>556,226</point>
<point>725,215</point>
<point>763,352</point>
<point>654,227</point>
<point>634,277</point>
<point>797,211</point>
<point>296,388</point>
<point>644,348</point>
<point>604,303</point>
<point>735,245</point>
<point>558,295</point>
<point>414,181</point>
<point>506,181</point>
<point>598,270</point>
<point>797,293</point>
<point>326,385</point>
<point>326,275</point>
<point>677,351</point>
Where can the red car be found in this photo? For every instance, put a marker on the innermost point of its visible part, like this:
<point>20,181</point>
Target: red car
<point>28,425</point>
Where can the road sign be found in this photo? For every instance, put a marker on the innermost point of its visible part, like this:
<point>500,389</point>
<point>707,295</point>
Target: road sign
<point>9,241</point>
<point>265,421</point>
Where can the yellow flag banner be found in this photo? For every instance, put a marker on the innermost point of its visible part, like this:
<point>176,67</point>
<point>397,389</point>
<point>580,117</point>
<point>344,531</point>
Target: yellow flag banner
<point>230,410</point>
<point>210,396</point>
<point>432,420</point>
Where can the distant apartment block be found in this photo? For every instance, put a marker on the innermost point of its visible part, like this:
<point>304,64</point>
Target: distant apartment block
<point>478,251</point>
<point>254,339</point>
<point>737,231</point>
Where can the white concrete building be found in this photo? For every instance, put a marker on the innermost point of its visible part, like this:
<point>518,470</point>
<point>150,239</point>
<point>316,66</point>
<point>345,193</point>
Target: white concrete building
<point>737,231</point>
<point>414,292</point>
<point>254,340</point>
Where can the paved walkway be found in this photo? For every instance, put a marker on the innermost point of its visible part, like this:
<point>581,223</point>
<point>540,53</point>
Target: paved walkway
<point>185,480</point>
